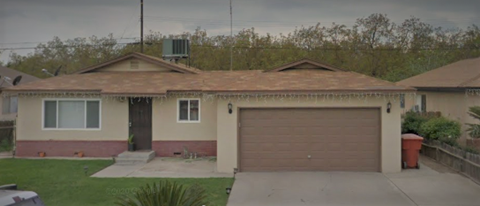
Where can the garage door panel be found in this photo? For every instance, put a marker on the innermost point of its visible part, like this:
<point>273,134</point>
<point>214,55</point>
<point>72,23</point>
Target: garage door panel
<point>335,139</point>
<point>331,130</point>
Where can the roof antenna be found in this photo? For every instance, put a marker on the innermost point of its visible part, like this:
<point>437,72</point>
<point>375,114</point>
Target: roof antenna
<point>231,37</point>
<point>55,73</point>
<point>16,81</point>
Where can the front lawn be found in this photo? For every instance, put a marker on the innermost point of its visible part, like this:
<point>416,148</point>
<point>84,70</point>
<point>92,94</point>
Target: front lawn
<point>63,182</point>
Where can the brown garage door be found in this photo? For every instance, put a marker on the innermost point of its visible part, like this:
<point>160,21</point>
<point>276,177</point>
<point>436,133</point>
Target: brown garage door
<point>309,140</point>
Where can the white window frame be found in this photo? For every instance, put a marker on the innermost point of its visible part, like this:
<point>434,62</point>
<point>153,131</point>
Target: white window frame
<point>66,99</point>
<point>199,110</point>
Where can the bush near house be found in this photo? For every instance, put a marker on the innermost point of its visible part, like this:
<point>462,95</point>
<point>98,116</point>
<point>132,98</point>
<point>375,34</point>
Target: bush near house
<point>442,129</point>
<point>474,129</point>
<point>6,135</point>
<point>432,126</point>
<point>413,120</point>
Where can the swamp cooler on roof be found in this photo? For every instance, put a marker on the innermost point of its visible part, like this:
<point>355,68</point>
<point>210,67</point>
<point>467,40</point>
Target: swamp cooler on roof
<point>175,48</point>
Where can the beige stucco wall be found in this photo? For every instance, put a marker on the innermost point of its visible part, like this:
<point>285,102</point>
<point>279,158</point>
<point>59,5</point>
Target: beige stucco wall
<point>453,105</point>
<point>215,124</point>
<point>5,117</point>
<point>166,127</point>
<point>227,128</point>
<point>123,66</point>
<point>114,122</point>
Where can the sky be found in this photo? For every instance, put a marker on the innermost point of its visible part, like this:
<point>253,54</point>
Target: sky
<point>25,23</point>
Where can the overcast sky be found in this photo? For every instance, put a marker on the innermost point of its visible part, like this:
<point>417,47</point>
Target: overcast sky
<point>25,23</point>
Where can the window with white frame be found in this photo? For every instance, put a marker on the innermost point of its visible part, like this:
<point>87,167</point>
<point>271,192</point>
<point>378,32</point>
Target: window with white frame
<point>421,103</point>
<point>71,114</point>
<point>189,110</point>
<point>9,105</point>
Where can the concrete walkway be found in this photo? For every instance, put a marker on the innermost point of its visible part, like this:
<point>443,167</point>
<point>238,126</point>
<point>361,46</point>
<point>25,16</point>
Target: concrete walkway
<point>165,168</point>
<point>432,185</point>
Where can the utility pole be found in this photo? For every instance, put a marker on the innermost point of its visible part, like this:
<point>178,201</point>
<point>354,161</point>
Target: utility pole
<point>231,37</point>
<point>141,26</point>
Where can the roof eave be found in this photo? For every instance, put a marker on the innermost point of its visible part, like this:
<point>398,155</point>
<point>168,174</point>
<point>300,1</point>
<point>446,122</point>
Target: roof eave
<point>302,61</point>
<point>136,55</point>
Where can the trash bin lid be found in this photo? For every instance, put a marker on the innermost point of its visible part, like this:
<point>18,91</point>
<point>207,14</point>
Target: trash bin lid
<point>411,136</point>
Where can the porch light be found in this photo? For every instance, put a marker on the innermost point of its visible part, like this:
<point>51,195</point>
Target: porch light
<point>228,190</point>
<point>389,106</point>
<point>230,106</point>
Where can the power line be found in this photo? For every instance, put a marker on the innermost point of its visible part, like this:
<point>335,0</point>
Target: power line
<point>134,13</point>
<point>44,42</point>
<point>65,46</point>
<point>224,21</point>
<point>266,48</point>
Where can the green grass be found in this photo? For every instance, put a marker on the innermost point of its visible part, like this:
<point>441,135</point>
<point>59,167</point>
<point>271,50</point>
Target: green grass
<point>63,182</point>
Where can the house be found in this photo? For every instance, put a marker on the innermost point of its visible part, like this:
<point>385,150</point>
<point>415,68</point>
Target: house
<point>451,90</point>
<point>9,103</point>
<point>305,115</point>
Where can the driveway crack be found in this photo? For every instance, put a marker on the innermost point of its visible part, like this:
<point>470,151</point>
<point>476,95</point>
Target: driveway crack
<point>400,189</point>
<point>328,182</point>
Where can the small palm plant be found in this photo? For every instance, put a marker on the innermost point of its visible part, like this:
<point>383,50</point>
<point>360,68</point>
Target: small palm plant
<point>131,144</point>
<point>474,129</point>
<point>165,193</point>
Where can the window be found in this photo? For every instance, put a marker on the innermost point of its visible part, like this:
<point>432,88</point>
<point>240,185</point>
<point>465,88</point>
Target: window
<point>71,114</point>
<point>421,103</point>
<point>189,110</point>
<point>9,105</point>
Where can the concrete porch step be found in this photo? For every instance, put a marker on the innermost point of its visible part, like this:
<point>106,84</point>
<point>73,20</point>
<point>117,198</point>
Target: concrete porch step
<point>135,157</point>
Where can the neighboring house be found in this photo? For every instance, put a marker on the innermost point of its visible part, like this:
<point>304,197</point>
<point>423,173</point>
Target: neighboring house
<point>304,115</point>
<point>451,90</point>
<point>9,104</point>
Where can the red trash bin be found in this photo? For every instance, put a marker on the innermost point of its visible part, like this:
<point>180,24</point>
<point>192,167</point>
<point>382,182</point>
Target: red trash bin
<point>411,145</point>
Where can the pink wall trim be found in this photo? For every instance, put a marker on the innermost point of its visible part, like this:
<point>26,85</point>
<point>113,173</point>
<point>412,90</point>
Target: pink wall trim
<point>68,148</point>
<point>55,148</point>
<point>167,148</point>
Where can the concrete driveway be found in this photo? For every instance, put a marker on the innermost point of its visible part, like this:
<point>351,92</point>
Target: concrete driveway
<point>427,186</point>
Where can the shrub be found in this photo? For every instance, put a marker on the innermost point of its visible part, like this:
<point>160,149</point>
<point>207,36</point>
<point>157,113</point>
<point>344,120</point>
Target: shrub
<point>440,128</point>
<point>412,122</point>
<point>6,145</point>
<point>450,141</point>
<point>474,129</point>
<point>165,193</point>
<point>472,150</point>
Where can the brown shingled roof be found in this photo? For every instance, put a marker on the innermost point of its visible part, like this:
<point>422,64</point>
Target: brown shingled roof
<point>246,81</point>
<point>461,74</point>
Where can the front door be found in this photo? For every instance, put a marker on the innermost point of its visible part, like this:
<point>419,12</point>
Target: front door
<point>140,116</point>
